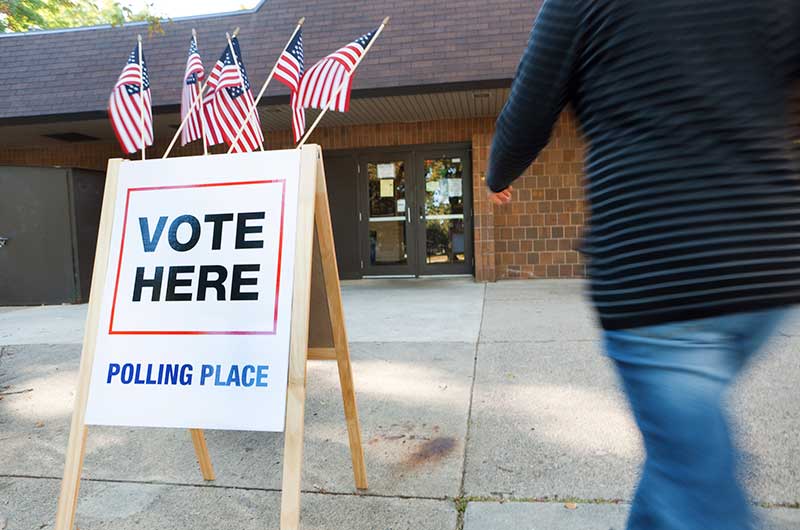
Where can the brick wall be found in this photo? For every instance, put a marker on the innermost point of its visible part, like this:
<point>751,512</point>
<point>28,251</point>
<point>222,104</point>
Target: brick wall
<point>538,234</point>
<point>534,237</point>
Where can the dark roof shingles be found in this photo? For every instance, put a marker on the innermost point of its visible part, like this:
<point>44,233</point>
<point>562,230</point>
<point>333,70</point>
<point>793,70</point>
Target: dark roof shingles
<point>427,42</point>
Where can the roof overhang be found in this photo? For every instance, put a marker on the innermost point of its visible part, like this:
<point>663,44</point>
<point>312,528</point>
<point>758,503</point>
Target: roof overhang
<point>372,106</point>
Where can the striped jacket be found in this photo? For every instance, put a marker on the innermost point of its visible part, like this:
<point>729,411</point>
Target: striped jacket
<point>693,174</point>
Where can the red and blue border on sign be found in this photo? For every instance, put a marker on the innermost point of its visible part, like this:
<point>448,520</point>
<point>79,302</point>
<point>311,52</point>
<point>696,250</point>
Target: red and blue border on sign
<point>112,331</point>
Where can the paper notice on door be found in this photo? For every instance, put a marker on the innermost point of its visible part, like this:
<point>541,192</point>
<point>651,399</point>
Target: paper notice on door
<point>386,171</point>
<point>454,187</point>
<point>432,186</point>
<point>401,206</point>
<point>387,188</point>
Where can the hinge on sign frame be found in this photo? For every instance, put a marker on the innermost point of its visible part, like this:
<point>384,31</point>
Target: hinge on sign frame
<point>359,168</point>
<point>362,263</point>
<point>359,217</point>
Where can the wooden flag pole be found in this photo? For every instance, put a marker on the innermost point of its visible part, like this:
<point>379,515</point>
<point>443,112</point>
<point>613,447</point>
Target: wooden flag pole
<point>342,84</point>
<point>241,80</point>
<point>200,96</point>
<point>141,92</point>
<point>264,86</point>
<point>186,118</point>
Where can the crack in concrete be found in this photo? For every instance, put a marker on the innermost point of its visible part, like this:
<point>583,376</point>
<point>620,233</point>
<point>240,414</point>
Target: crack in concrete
<point>461,506</point>
<point>461,500</point>
<point>534,341</point>
<point>232,487</point>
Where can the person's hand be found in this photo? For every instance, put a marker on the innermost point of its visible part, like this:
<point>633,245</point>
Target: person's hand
<point>501,197</point>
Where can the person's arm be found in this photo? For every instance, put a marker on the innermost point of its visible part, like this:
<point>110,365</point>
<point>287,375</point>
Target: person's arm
<point>538,94</point>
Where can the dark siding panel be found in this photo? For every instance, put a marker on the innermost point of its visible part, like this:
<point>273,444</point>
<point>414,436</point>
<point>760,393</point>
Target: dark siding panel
<point>341,172</point>
<point>36,266</point>
<point>87,201</point>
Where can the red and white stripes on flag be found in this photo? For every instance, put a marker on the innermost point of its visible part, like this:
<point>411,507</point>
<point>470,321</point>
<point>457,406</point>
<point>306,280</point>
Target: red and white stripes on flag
<point>322,80</point>
<point>298,118</point>
<point>289,71</point>
<point>125,106</point>
<point>228,102</point>
<point>192,81</point>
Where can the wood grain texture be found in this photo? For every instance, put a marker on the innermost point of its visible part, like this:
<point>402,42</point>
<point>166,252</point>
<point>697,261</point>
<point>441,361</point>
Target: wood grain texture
<point>301,298</point>
<point>76,446</point>
<point>330,269</point>
<point>201,450</point>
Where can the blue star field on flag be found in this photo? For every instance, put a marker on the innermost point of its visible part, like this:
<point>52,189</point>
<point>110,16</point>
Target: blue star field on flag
<point>134,59</point>
<point>191,79</point>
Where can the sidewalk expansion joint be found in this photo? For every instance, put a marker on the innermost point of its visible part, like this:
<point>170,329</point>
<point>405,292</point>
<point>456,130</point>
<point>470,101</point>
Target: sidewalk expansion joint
<point>461,507</point>
<point>460,502</point>
<point>534,341</point>
<point>234,487</point>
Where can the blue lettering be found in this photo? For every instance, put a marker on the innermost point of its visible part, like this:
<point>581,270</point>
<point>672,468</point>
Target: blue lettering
<point>205,371</point>
<point>261,375</point>
<point>247,379</point>
<point>138,379</point>
<point>171,374</point>
<point>233,376</point>
<point>149,378</point>
<point>186,374</point>
<point>113,369</point>
<point>217,382</point>
<point>126,376</point>
<point>149,242</point>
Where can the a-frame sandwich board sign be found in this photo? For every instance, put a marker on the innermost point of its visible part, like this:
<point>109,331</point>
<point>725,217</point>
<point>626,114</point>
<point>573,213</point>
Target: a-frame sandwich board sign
<point>215,280</point>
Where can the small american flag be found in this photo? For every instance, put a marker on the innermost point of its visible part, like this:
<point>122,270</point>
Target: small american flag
<point>321,81</point>
<point>228,102</point>
<point>125,105</point>
<point>289,71</point>
<point>191,91</point>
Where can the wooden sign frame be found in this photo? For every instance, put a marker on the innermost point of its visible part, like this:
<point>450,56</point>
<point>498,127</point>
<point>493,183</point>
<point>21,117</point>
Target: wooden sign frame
<point>317,333</point>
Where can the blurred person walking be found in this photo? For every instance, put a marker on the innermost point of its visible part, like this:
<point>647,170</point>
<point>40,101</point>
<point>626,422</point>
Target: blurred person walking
<point>693,187</point>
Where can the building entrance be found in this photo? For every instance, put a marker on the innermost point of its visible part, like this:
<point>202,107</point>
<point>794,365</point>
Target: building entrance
<point>414,211</point>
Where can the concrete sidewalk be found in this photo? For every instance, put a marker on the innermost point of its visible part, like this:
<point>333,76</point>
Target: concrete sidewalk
<point>482,406</point>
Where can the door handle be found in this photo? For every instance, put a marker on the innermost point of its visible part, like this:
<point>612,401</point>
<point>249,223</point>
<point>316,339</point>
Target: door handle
<point>408,215</point>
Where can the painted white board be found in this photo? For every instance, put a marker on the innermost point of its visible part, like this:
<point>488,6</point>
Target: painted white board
<point>196,317</point>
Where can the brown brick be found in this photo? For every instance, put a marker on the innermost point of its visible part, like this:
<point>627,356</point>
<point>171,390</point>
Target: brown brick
<point>535,237</point>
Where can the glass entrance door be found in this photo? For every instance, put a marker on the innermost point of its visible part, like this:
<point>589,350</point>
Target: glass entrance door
<point>415,214</point>
<point>445,216</point>
<point>389,222</point>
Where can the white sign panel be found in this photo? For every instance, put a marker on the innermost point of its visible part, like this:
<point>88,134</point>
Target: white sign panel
<point>196,314</point>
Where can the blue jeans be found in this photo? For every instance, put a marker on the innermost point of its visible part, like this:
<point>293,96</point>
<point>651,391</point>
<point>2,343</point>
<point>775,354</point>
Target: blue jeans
<point>676,376</point>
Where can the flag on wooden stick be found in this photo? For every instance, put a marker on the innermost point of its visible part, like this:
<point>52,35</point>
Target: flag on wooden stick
<point>228,102</point>
<point>193,130</point>
<point>289,71</point>
<point>321,81</point>
<point>129,99</point>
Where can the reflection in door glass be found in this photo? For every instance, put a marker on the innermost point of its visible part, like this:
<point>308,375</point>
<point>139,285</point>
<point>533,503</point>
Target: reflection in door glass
<point>387,214</point>
<point>444,211</point>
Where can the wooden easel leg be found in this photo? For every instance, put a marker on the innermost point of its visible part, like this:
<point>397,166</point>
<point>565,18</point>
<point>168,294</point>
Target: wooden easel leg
<point>78,431</point>
<point>298,346</point>
<point>351,416</point>
<point>65,513</point>
<point>293,454</point>
<point>330,272</point>
<point>201,450</point>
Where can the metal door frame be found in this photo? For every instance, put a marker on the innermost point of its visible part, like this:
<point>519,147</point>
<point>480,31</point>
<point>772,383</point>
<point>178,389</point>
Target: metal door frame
<point>420,155</point>
<point>374,157</point>
<point>414,156</point>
